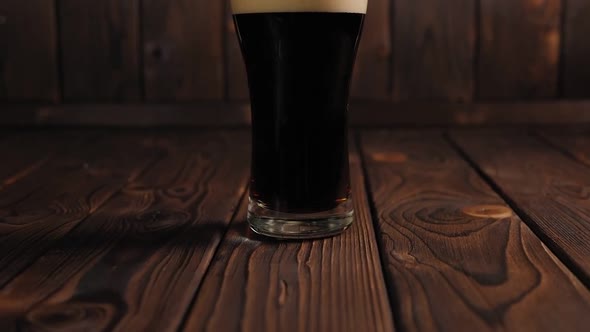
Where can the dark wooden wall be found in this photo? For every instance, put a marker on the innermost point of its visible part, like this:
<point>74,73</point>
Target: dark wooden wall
<point>167,51</point>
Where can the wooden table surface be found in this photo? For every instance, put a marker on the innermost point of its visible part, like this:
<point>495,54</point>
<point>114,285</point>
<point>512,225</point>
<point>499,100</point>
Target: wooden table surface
<point>144,230</point>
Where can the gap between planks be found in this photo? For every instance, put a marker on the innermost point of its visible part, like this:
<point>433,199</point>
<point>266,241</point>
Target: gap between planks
<point>561,254</point>
<point>464,279</point>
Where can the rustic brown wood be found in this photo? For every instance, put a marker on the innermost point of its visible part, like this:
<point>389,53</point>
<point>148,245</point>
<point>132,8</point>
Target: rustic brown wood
<point>238,114</point>
<point>576,75</point>
<point>40,208</point>
<point>434,50</point>
<point>202,114</point>
<point>325,285</point>
<point>547,186</point>
<point>24,153</point>
<point>183,50</point>
<point>573,141</point>
<point>136,264</point>
<point>237,83</point>
<point>519,48</point>
<point>560,112</point>
<point>372,74</point>
<point>100,50</point>
<point>28,51</point>
<point>18,162</point>
<point>453,260</point>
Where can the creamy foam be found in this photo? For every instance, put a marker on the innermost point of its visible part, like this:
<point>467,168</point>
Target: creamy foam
<point>279,6</point>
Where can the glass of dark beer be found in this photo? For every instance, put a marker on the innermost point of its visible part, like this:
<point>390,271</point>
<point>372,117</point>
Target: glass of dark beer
<point>299,57</point>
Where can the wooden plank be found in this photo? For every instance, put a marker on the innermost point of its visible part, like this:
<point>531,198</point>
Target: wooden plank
<point>435,43</point>
<point>27,152</point>
<point>19,162</point>
<point>238,114</point>
<point>139,260</point>
<point>237,82</point>
<point>456,257</point>
<point>372,74</point>
<point>183,49</point>
<point>547,186</point>
<point>135,115</point>
<point>100,50</point>
<point>40,209</point>
<point>333,284</point>
<point>519,49</point>
<point>574,141</point>
<point>28,56</point>
<point>576,75</point>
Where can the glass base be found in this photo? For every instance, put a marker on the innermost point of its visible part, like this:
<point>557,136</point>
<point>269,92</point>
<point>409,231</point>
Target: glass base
<point>299,226</point>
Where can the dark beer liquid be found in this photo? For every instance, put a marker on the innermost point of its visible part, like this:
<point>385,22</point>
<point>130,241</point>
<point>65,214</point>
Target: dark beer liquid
<point>299,68</point>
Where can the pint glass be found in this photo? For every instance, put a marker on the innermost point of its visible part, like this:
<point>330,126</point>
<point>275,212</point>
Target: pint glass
<point>299,57</point>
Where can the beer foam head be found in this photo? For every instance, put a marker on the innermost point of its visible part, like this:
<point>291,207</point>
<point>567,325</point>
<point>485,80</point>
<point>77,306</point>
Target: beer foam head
<point>280,6</point>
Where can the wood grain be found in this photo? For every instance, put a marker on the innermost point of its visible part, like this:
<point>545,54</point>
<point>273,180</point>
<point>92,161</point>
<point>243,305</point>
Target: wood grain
<point>27,152</point>
<point>333,284</point>
<point>576,68</point>
<point>28,51</point>
<point>574,141</point>
<point>372,73</point>
<point>237,81</point>
<point>435,44</point>
<point>39,209</point>
<point>136,263</point>
<point>100,50</point>
<point>548,187</point>
<point>365,114</point>
<point>183,52</point>
<point>519,49</point>
<point>456,257</point>
<point>135,115</point>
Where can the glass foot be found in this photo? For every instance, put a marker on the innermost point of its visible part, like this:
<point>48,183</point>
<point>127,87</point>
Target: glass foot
<point>300,226</point>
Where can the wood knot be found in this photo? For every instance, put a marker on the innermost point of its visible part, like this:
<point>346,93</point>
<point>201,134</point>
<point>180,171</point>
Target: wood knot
<point>488,211</point>
<point>72,317</point>
<point>3,19</point>
<point>179,192</point>
<point>389,157</point>
<point>161,220</point>
<point>405,258</point>
<point>157,51</point>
